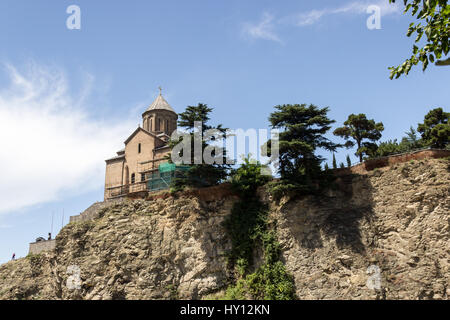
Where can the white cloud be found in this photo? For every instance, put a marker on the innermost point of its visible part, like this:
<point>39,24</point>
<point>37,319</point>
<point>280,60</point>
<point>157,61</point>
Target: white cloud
<point>308,18</point>
<point>263,29</point>
<point>355,8</point>
<point>51,148</point>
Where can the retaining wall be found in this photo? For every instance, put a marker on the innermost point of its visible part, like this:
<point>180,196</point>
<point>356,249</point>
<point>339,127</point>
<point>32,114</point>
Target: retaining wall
<point>38,247</point>
<point>372,164</point>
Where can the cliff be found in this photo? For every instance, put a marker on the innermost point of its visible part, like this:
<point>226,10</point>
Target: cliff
<point>393,222</point>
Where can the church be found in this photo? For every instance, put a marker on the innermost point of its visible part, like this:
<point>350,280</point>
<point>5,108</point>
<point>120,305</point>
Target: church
<point>145,149</point>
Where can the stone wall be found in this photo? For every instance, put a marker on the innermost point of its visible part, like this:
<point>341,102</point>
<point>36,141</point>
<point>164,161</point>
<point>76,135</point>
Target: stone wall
<point>368,165</point>
<point>91,213</point>
<point>38,247</point>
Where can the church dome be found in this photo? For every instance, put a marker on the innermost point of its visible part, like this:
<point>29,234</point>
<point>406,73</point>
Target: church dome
<point>160,104</point>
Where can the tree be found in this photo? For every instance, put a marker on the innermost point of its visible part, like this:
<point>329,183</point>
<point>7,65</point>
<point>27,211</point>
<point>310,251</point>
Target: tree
<point>411,141</point>
<point>248,177</point>
<point>435,129</point>
<point>436,16</point>
<point>359,128</point>
<point>200,174</point>
<point>408,143</point>
<point>334,162</point>
<point>389,147</point>
<point>349,162</point>
<point>302,129</point>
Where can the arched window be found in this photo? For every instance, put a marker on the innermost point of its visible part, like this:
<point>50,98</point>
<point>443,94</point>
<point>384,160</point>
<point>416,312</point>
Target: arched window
<point>133,178</point>
<point>139,148</point>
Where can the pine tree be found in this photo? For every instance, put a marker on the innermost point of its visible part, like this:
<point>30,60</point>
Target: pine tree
<point>302,132</point>
<point>359,128</point>
<point>349,162</point>
<point>435,129</point>
<point>200,174</point>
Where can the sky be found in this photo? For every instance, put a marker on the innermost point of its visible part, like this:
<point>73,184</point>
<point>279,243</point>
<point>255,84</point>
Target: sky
<point>70,97</point>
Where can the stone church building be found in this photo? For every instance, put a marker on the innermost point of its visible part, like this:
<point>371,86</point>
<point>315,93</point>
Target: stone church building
<point>144,151</point>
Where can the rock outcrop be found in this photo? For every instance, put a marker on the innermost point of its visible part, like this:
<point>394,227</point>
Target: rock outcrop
<point>384,235</point>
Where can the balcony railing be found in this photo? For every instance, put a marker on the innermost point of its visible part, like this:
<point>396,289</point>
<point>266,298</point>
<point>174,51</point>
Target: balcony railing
<point>121,191</point>
<point>149,166</point>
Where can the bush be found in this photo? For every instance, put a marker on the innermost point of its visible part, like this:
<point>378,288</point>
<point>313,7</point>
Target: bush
<point>248,227</point>
<point>247,178</point>
<point>269,282</point>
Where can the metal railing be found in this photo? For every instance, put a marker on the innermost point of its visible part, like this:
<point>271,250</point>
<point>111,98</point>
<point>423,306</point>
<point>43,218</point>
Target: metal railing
<point>121,191</point>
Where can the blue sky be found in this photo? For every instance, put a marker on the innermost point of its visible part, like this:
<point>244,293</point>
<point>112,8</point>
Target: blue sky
<point>69,98</point>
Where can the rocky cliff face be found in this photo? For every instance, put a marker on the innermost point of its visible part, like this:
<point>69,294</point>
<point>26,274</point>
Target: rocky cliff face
<point>394,222</point>
<point>382,235</point>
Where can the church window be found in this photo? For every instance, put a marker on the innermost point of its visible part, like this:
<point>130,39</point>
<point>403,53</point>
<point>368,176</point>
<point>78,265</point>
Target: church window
<point>167,126</point>
<point>133,178</point>
<point>142,177</point>
<point>139,148</point>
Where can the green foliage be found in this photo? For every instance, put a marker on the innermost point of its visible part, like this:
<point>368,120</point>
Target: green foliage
<point>408,143</point>
<point>342,165</point>
<point>33,257</point>
<point>411,141</point>
<point>302,131</point>
<point>200,174</point>
<point>435,14</point>
<point>248,227</point>
<point>334,162</point>
<point>269,282</point>
<point>349,162</point>
<point>387,148</point>
<point>359,128</point>
<point>173,292</point>
<point>435,129</point>
<point>199,113</point>
<point>247,178</point>
<point>285,188</point>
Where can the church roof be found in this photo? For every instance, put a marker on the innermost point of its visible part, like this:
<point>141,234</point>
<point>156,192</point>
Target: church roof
<point>145,131</point>
<point>122,156</point>
<point>160,104</point>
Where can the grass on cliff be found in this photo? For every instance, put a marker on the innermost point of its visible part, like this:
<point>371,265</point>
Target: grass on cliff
<point>249,228</point>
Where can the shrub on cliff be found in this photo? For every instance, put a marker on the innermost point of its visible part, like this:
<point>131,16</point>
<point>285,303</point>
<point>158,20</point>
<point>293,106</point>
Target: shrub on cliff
<point>248,177</point>
<point>248,227</point>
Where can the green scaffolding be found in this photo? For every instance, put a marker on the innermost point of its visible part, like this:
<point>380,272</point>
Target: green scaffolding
<point>167,172</point>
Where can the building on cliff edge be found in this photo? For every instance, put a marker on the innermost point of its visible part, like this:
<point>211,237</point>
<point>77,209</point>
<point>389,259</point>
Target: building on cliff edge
<point>145,149</point>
